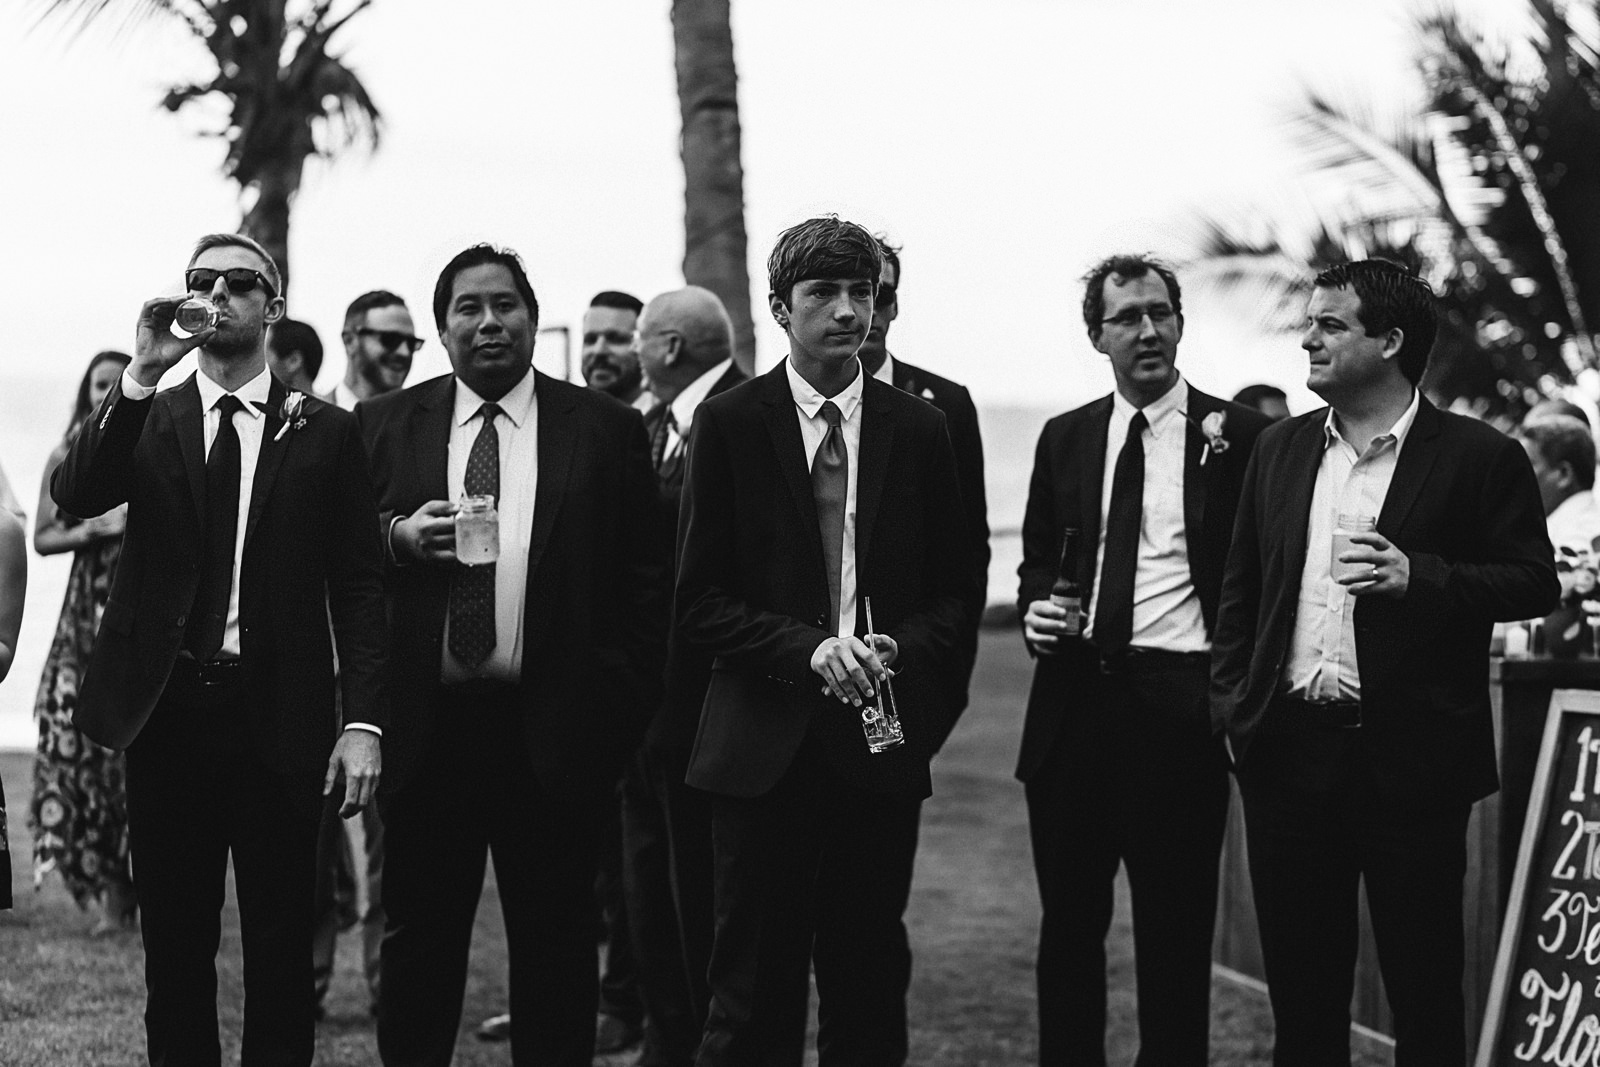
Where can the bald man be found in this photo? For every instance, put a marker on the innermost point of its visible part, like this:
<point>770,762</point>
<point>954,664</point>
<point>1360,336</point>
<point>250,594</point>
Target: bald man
<point>685,349</point>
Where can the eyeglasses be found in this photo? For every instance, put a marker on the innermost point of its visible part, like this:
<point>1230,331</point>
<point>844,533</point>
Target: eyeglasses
<point>240,280</point>
<point>886,295</point>
<point>392,339</point>
<point>1133,318</point>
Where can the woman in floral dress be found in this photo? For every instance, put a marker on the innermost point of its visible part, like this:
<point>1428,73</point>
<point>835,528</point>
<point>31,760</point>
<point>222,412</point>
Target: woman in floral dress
<point>79,816</point>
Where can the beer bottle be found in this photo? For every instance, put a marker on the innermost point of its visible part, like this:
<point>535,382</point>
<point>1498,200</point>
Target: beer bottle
<point>1066,592</point>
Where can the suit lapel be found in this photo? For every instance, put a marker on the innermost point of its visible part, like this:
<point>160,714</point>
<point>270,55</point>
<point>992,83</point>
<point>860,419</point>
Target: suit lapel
<point>1195,475</point>
<point>557,436</point>
<point>1411,469</point>
<point>1305,457</point>
<point>188,421</point>
<point>784,428</point>
<point>872,467</point>
<point>269,458</point>
<point>1090,448</point>
<point>430,439</point>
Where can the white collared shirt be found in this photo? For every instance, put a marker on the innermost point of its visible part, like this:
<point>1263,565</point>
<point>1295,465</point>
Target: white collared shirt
<point>685,402</point>
<point>1166,606</point>
<point>885,371</point>
<point>1575,523</point>
<point>517,427</point>
<point>813,428</point>
<point>345,397</point>
<point>1321,664</point>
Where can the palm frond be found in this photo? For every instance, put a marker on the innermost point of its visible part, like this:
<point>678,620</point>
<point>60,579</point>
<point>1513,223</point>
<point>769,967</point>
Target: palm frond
<point>124,16</point>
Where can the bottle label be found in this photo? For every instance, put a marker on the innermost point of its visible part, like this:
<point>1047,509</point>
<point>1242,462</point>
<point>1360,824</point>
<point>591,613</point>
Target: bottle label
<point>1074,609</point>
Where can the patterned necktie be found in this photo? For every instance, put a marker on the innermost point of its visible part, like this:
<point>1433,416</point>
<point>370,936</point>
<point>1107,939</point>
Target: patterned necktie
<point>472,635</point>
<point>208,617</point>
<point>1113,616</point>
<point>658,417</point>
<point>830,484</point>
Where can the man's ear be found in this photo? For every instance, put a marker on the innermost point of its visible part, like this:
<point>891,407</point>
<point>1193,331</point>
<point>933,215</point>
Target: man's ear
<point>275,310</point>
<point>674,350</point>
<point>1097,337</point>
<point>1393,341</point>
<point>779,309</point>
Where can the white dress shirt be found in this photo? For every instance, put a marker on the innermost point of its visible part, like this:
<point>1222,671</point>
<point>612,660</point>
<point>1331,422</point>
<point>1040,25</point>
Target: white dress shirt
<point>517,426</point>
<point>1166,606</point>
<point>345,397</point>
<point>1321,663</point>
<point>250,424</point>
<point>813,428</point>
<point>1575,523</point>
<point>685,402</point>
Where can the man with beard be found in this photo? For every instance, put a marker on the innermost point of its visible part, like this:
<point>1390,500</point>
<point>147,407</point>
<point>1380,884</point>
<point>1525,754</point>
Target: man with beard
<point>251,521</point>
<point>610,363</point>
<point>379,343</point>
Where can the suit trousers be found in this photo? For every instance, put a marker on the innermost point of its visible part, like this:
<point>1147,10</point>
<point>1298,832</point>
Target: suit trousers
<point>1316,828</point>
<point>801,879</point>
<point>196,792</point>
<point>339,869</point>
<point>619,971</point>
<point>1135,778</point>
<point>473,795</point>
<point>667,869</point>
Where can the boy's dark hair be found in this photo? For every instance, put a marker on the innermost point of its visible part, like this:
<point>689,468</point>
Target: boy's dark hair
<point>823,247</point>
<point>1391,298</point>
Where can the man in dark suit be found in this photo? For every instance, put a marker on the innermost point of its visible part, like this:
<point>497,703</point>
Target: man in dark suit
<point>686,352</point>
<point>251,519</point>
<point>1351,671</point>
<point>518,683</point>
<point>961,419</point>
<point>1118,753</point>
<point>811,489</point>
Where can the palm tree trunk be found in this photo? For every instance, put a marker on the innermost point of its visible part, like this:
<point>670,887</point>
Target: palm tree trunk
<point>267,217</point>
<point>714,238</point>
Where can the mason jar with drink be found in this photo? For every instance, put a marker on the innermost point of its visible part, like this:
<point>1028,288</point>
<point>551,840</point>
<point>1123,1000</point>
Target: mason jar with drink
<point>477,531</point>
<point>1344,533</point>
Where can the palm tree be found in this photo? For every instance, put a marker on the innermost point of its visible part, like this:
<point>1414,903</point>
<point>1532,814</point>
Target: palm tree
<point>708,98</point>
<point>1492,193</point>
<point>287,96</point>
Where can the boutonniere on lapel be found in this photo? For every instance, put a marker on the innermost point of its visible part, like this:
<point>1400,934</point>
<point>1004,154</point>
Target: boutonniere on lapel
<point>1211,429</point>
<point>292,413</point>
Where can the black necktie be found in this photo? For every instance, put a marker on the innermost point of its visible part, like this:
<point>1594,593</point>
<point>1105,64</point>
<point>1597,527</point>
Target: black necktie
<point>658,437</point>
<point>830,484</point>
<point>208,617</point>
<point>1113,615</point>
<point>667,466</point>
<point>472,635</point>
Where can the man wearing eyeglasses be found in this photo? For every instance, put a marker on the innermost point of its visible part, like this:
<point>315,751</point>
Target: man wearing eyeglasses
<point>379,343</point>
<point>1119,758</point>
<point>251,521</point>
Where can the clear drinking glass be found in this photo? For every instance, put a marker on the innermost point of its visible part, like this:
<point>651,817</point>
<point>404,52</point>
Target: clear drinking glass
<point>195,316</point>
<point>1343,532</point>
<point>880,720</point>
<point>477,531</point>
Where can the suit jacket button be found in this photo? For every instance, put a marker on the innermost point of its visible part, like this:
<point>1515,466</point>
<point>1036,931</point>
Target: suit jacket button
<point>183,620</point>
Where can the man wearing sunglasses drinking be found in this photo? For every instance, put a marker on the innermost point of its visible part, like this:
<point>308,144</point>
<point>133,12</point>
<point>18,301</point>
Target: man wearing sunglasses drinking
<point>379,343</point>
<point>252,518</point>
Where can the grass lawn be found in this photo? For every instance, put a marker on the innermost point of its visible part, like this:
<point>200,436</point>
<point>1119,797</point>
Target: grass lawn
<point>68,999</point>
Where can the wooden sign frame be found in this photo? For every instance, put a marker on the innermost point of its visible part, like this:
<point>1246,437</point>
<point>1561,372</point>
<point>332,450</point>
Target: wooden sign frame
<point>1563,702</point>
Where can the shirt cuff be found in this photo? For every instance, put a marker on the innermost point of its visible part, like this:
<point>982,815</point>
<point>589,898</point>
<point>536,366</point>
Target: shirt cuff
<point>133,390</point>
<point>367,726</point>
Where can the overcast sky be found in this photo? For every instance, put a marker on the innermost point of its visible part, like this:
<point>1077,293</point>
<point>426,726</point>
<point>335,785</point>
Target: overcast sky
<point>1006,144</point>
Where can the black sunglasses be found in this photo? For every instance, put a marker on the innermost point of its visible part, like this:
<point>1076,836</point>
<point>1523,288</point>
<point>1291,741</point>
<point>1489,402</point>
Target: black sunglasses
<point>240,280</point>
<point>886,295</point>
<point>392,338</point>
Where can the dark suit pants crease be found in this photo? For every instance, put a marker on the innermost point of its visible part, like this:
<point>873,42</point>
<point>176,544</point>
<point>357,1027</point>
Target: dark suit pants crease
<point>620,996</point>
<point>803,876</point>
<point>667,869</point>
<point>196,792</point>
<point>339,870</point>
<point>1316,827</point>
<point>1135,777</point>
<point>473,795</point>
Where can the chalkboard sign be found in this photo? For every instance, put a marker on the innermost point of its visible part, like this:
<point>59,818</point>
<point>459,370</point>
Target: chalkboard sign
<point>1544,996</point>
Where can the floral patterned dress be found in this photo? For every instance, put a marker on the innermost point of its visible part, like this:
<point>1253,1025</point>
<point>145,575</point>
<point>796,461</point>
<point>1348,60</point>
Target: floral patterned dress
<point>79,816</point>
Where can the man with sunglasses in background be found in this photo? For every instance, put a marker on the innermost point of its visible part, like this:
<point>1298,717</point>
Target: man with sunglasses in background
<point>1119,758</point>
<point>379,342</point>
<point>251,521</point>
